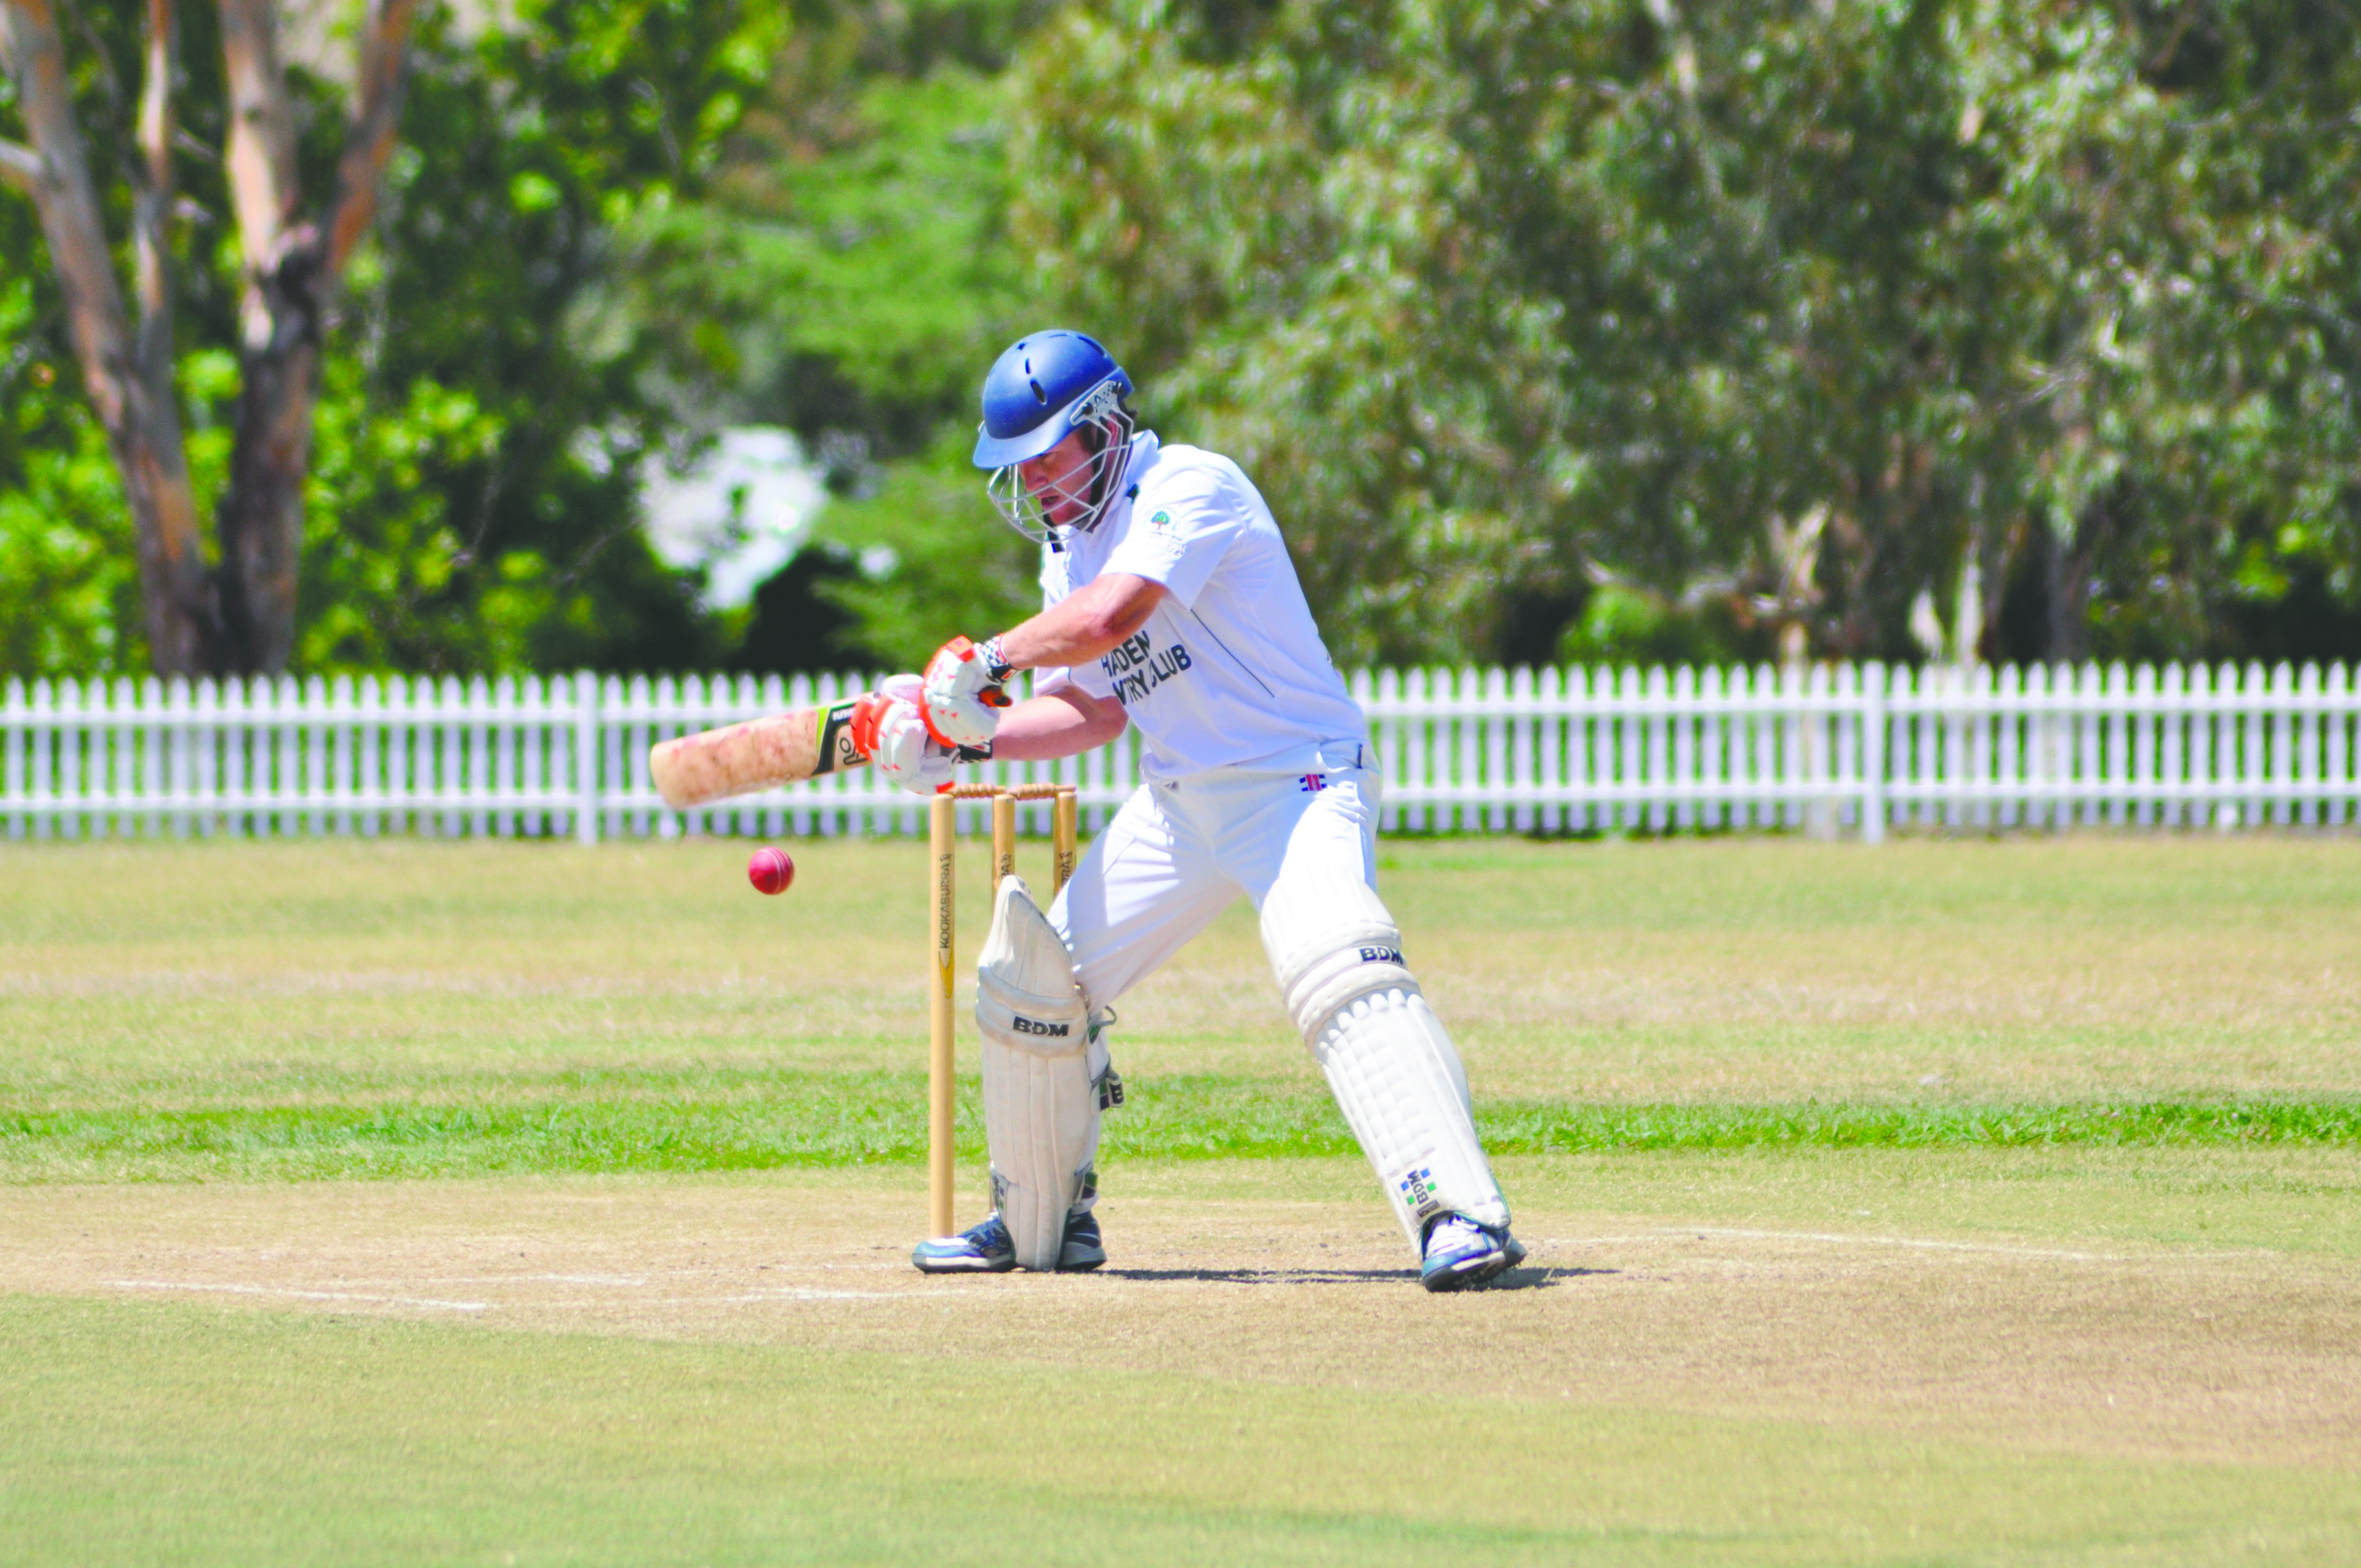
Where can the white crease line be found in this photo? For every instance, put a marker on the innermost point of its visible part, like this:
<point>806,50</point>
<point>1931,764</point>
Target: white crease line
<point>1918,1242</point>
<point>301,1295</point>
<point>789,1296</point>
<point>547,1278</point>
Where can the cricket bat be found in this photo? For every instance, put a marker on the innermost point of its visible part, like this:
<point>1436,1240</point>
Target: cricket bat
<point>737,759</point>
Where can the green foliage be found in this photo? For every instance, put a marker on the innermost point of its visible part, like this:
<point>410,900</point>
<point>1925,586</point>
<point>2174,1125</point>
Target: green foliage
<point>383,562</point>
<point>937,558</point>
<point>849,277</point>
<point>1491,296</point>
<point>845,289</point>
<point>478,508</point>
<point>1286,249</point>
<point>1773,323</point>
<point>472,505</point>
<point>68,592</point>
<point>1624,625</point>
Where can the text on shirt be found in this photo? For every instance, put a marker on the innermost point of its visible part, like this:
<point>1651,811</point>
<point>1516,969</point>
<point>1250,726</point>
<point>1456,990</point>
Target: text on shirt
<point>1137,666</point>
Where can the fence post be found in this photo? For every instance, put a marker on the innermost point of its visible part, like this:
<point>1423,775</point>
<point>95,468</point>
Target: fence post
<point>1821,811</point>
<point>1872,754</point>
<point>2337,716</point>
<point>71,819</point>
<point>586,757</point>
<point>13,783</point>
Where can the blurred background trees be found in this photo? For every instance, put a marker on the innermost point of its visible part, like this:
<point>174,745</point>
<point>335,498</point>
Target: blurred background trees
<point>1582,330</point>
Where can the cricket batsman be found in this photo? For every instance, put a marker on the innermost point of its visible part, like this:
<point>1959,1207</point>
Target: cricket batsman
<point>1170,603</point>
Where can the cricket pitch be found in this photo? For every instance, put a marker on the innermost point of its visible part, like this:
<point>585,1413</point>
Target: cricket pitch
<point>1684,1372</point>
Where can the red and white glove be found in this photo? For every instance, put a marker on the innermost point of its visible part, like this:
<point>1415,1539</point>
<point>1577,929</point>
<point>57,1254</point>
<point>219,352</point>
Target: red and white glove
<point>965,692</point>
<point>890,731</point>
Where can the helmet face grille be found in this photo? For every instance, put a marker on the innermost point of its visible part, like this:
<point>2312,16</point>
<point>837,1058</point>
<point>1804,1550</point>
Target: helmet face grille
<point>1086,492</point>
<point>1018,509</point>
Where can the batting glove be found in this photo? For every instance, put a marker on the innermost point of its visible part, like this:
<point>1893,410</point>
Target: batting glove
<point>890,731</point>
<point>965,691</point>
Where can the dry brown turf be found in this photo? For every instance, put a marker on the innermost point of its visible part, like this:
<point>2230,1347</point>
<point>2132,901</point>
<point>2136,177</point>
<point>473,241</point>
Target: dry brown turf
<point>2226,1355</point>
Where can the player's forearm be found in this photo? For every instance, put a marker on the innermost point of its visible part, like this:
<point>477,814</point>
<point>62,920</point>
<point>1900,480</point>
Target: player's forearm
<point>1059,725</point>
<point>1084,625</point>
<point>962,692</point>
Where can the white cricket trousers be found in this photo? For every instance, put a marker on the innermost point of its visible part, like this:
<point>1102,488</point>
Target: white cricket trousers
<point>1181,852</point>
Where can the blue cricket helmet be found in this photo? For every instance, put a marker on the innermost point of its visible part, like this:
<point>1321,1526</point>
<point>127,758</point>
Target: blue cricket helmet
<point>1047,387</point>
<point>1039,390</point>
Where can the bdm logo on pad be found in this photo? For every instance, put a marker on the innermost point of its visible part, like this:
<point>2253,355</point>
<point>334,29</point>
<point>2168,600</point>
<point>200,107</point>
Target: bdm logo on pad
<point>1382,956</point>
<point>1035,1026</point>
<point>1418,1192</point>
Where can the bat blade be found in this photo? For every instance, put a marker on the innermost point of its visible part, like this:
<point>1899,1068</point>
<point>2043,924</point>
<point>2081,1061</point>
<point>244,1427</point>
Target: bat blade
<point>785,748</point>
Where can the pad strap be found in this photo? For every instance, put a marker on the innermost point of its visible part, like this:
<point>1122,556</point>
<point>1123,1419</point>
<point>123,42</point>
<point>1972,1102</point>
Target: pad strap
<point>1330,956</point>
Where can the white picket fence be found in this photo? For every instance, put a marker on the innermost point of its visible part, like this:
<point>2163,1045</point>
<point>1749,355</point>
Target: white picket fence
<point>1861,748</point>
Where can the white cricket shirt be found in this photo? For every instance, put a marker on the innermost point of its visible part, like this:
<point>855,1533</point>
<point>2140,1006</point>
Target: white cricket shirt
<point>1230,670</point>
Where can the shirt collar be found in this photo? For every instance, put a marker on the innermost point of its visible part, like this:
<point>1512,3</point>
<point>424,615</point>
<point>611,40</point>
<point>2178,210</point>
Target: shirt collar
<point>1112,521</point>
<point>1144,450</point>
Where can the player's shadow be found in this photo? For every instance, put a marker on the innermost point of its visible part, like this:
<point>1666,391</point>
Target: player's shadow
<point>1534,1278</point>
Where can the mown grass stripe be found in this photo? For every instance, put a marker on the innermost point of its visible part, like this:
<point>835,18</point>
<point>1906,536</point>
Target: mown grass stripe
<point>1544,1128</point>
<point>821,1119</point>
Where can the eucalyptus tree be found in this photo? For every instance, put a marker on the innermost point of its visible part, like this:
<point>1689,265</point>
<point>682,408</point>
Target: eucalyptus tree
<point>238,614</point>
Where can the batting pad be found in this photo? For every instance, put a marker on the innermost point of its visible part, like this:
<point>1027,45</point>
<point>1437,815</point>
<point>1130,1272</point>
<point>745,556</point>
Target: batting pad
<point>1389,1063</point>
<point>1040,1108</point>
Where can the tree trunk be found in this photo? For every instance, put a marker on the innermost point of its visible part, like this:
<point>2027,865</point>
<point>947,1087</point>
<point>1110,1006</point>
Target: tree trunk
<point>293,269</point>
<point>239,616</point>
<point>261,516</point>
<point>130,383</point>
<point>2066,580</point>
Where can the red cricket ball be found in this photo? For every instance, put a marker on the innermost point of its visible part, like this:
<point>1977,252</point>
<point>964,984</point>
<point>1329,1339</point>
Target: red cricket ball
<point>770,870</point>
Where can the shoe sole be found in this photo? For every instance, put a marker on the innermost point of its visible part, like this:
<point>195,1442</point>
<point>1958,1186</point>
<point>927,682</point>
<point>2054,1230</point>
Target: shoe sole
<point>1482,1272</point>
<point>1080,1266</point>
<point>962,1266</point>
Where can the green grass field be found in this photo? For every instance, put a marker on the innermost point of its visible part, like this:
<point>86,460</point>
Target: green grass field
<point>414,1009</point>
<point>1953,1202</point>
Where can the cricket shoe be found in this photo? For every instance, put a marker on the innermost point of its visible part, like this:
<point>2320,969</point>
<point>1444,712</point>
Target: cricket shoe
<point>981,1249</point>
<point>987,1249</point>
<point>1081,1250</point>
<point>1461,1252</point>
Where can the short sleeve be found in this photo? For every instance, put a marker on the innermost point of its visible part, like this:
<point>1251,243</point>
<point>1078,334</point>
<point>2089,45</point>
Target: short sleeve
<point>1181,527</point>
<point>1087,679</point>
<point>1057,576</point>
